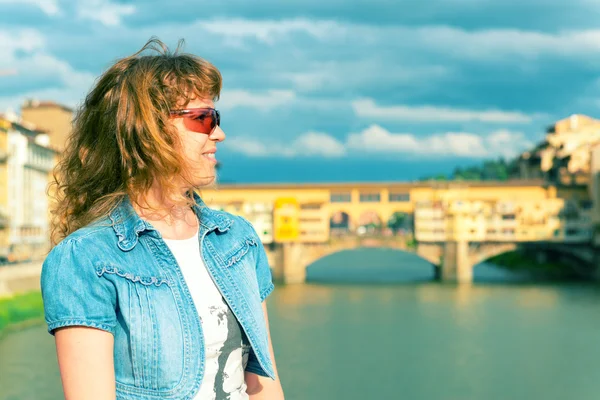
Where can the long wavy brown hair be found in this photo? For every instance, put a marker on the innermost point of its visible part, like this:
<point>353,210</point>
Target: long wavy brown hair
<point>122,142</point>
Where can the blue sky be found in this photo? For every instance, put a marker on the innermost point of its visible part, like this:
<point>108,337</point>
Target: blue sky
<point>334,90</point>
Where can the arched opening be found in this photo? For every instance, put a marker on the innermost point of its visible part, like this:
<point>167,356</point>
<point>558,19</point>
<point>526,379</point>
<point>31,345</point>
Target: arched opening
<point>339,224</point>
<point>538,262</point>
<point>369,224</point>
<point>370,265</point>
<point>513,266</point>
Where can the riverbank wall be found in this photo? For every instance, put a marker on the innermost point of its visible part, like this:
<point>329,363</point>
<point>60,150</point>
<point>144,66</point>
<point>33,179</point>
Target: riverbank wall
<point>20,278</point>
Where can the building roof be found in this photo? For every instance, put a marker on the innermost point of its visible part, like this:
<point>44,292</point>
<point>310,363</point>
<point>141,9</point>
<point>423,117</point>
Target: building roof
<point>34,103</point>
<point>25,127</point>
<point>575,122</point>
<point>379,185</point>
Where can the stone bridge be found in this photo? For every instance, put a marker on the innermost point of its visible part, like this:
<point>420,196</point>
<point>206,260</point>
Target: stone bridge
<point>454,261</point>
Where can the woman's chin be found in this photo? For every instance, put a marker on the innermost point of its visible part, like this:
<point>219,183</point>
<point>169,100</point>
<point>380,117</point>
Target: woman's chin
<point>205,181</point>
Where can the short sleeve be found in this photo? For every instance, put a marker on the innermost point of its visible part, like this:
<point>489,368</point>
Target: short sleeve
<point>263,270</point>
<point>73,294</point>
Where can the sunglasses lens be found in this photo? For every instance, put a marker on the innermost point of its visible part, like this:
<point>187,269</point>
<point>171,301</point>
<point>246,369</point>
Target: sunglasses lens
<point>203,121</point>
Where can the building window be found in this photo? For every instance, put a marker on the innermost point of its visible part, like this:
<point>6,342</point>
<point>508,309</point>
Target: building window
<point>310,206</point>
<point>399,197</point>
<point>341,198</point>
<point>306,219</point>
<point>370,197</point>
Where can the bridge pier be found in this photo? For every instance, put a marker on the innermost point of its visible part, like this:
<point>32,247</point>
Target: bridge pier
<point>437,273</point>
<point>288,262</point>
<point>455,264</point>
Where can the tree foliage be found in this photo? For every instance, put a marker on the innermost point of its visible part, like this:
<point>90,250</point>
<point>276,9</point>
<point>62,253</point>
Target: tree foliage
<point>489,170</point>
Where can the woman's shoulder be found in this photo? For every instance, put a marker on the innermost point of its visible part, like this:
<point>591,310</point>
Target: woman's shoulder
<point>237,223</point>
<point>242,225</point>
<point>82,240</point>
<point>91,232</point>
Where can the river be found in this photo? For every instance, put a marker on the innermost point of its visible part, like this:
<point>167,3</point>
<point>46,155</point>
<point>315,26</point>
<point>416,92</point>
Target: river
<point>399,336</point>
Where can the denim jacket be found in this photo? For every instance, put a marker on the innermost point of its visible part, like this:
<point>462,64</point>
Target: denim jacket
<point>123,279</point>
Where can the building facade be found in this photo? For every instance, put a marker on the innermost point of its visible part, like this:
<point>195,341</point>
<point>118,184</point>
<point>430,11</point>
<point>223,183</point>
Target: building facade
<point>564,157</point>
<point>5,127</point>
<point>24,176</point>
<point>517,211</point>
<point>594,191</point>
<point>52,118</point>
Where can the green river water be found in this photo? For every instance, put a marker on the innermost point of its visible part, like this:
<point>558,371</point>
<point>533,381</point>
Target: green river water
<point>401,336</point>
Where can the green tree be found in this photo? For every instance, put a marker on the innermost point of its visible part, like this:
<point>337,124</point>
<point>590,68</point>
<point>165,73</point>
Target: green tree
<point>397,221</point>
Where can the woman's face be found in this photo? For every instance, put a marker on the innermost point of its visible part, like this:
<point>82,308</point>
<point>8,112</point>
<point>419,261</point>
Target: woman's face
<point>199,148</point>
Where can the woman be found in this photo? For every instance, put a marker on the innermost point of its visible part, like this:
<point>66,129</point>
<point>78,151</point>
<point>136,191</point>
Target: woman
<point>150,294</point>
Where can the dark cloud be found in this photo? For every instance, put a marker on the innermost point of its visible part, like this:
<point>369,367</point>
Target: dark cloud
<point>539,15</point>
<point>459,54</point>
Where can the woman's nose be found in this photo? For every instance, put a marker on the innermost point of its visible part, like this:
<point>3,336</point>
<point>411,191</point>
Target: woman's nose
<point>217,134</point>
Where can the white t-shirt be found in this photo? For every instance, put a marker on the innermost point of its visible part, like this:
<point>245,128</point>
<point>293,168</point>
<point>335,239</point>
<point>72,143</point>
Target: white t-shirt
<point>225,343</point>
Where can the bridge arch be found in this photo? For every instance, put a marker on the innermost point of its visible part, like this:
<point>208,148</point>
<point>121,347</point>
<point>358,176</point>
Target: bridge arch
<point>454,261</point>
<point>371,265</point>
<point>340,223</point>
<point>479,253</point>
<point>293,258</point>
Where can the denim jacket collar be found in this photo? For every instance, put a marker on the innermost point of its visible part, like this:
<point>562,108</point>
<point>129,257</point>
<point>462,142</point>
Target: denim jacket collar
<point>128,225</point>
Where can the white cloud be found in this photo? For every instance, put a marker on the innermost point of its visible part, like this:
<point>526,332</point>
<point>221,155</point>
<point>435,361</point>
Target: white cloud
<point>482,44</point>
<point>459,144</point>
<point>24,40</point>
<point>49,7</point>
<point>268,30</point>
<point>308,144</point>
<point>376,139</point>
<point>318,144</point>
<point>340,75</point>
<point>262,100</point>
<point>507,143</point>
<point>104,11</point>
<point>68,85</point>
<point>367,108</point>
<point>497,43</point>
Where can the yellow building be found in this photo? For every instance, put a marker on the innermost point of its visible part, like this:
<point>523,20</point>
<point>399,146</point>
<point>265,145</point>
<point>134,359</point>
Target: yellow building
<point>472,211</point>
<point>4,127</point>
<point>594,191</point>
<point>565,155</point>
<point>359,207</point>
<point>27,161</point>
<point>53,118</point>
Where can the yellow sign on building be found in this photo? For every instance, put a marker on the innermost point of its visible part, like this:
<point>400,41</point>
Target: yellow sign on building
<point>286,223</point>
